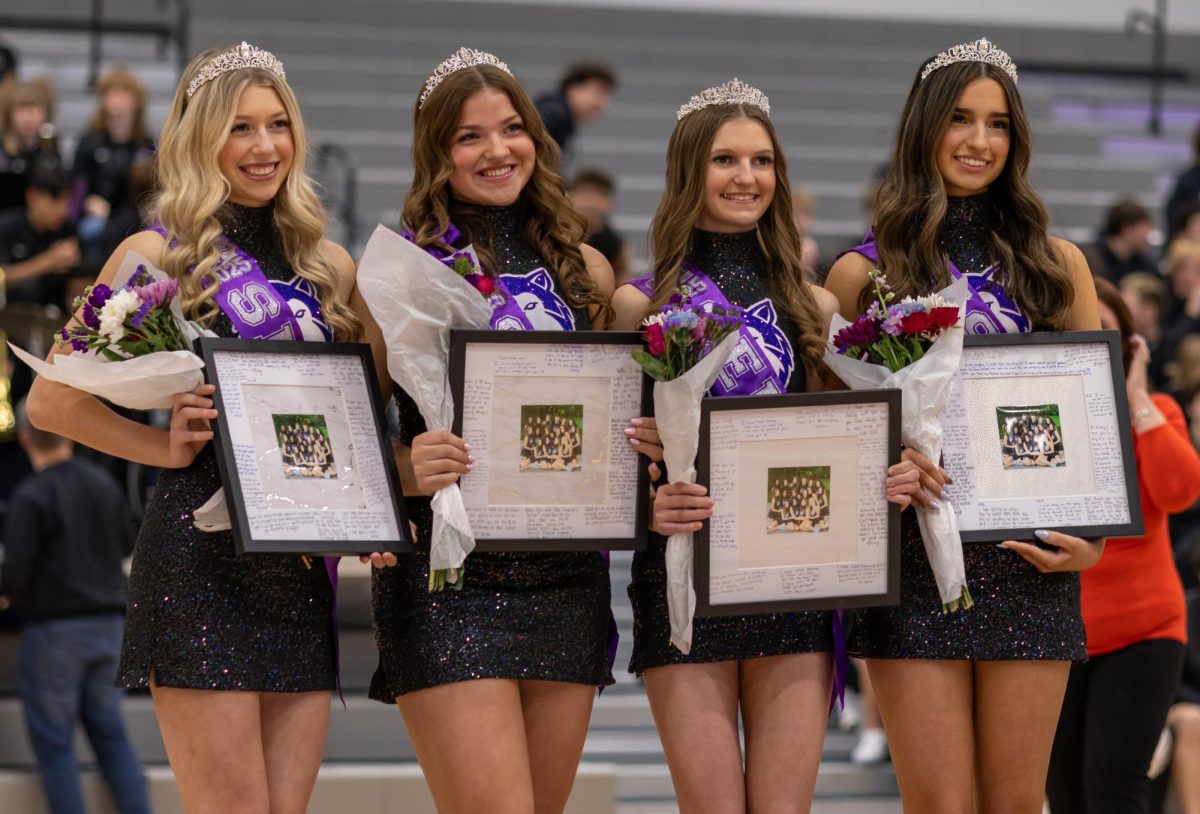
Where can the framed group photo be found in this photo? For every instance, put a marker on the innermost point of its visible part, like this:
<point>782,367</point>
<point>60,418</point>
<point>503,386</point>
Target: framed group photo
<point>302,448</point>
<point>545,414</point>
<point>1037,436</point>
<point>801,519</point>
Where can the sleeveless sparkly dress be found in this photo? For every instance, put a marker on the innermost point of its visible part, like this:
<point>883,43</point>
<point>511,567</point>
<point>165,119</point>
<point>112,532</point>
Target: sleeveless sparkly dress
<point>1019,613</point>
<point>519,615</point>
<point>200,616</point>
<point>736,264</point>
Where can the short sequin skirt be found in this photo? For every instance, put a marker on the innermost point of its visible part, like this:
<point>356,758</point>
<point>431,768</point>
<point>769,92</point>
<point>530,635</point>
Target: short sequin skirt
<point>714,638</point>
<point>540,616</point>
<point>201,617</point>
<point>1019,613</point>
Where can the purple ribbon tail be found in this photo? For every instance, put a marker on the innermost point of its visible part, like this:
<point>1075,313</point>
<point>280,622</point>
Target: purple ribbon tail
<point>841,663</point>
<point>331,568</point>
<point>614,635</point>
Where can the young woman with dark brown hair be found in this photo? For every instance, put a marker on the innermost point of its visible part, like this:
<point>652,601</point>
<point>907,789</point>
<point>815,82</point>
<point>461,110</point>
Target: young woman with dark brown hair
<point>970,698</point>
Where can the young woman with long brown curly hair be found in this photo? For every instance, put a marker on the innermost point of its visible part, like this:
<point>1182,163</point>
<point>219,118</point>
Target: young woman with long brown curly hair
<point>970,698</point>
<point>495,680</point>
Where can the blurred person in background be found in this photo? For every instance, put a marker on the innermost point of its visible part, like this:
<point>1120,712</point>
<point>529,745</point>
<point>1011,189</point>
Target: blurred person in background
<point>1186,192</point>
<point>1181,313</point>
<point>1184,716</point>
<point>116,139</point>
<point>27,138</point>
<point>67,531</point>
<point>582,96</point>
<point>1189,222</point>
<point>1124,243</point>
<point>803,204</point>
<point>592,192</point>
<point>1145,294</point>
<point>1133,611</point>
<point>38,246</point>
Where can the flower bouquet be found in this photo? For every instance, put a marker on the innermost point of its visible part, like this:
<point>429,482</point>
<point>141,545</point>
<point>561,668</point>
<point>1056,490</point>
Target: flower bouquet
<point>132,347</point>
<point>686,349</point>
<point>416,303</point>
<point>914,345</point>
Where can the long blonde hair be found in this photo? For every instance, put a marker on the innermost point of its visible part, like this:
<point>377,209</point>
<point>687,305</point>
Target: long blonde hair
<point>192,190</point>
<point>126,80</point>
<point>683,201</point>
<point>551,226</point>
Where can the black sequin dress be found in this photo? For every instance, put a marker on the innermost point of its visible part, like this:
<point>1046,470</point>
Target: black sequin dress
<point>201,617</point>
<point>519,615</point>
<point>736,264</point>
<point>1019,613</point>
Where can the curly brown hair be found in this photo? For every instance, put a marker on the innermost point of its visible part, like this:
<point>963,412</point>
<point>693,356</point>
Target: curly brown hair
<point>550,223</point>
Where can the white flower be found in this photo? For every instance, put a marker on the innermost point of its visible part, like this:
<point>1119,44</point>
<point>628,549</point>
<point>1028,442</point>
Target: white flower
<point>654,319</point>
<point>931,301</point>
<point>114,313</point>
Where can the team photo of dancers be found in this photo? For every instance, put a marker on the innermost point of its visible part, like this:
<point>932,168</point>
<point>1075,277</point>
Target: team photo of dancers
<point>495,678</point>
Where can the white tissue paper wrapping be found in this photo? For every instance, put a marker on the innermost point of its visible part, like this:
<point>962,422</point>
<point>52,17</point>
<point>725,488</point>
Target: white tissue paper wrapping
<point>416,300</point>
<point>677,413</point>
<point>925,388</point>
<point>147,382</point>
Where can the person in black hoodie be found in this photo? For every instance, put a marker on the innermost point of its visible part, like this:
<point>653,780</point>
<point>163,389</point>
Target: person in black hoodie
<point>67,530</point>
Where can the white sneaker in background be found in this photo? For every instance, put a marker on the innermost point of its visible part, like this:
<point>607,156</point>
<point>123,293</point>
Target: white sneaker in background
<point>848,718</point>
<point>871,748</point>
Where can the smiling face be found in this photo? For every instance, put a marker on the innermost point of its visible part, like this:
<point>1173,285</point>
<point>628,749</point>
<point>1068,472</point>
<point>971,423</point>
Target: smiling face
<point>740,177</point>
<point>493,154</point>
<point>975,144</point>
<point>257,155</point>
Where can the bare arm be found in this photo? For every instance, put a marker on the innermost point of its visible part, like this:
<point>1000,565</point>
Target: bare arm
<point>602,275</point>
<point>630,305</point>
<point>1085,313</point>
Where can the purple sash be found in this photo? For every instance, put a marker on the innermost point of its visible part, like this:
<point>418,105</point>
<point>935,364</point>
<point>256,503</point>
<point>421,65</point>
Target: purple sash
<point>763,361</point>
<point>990,309</point>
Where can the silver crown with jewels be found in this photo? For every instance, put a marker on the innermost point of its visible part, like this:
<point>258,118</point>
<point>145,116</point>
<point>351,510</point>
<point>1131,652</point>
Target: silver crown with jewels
<point>733,92</point>
<point>979,51</point>
<point>236,58</point>
<point>461,59</point>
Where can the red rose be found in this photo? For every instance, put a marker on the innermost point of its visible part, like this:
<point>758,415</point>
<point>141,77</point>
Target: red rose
<point>654,338</point>
<point>917,322</point>
<point>945,317</point>
<point>485,285</point>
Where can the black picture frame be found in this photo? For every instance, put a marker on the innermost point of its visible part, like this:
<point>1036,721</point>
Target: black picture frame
<point>956,455</point>
<point>702,572</point>
<point>540,343</point>
<point>294,355</point>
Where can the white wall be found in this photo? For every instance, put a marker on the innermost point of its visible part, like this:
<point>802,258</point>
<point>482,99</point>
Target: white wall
<point>1182,15</point>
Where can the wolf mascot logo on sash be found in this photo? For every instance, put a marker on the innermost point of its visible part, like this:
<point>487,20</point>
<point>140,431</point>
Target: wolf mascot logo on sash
<point>747,365</point>
<point>541,307</point>
<point>301,296</point>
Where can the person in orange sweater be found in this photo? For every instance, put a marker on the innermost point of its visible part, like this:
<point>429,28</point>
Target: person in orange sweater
<point>1133,612</point>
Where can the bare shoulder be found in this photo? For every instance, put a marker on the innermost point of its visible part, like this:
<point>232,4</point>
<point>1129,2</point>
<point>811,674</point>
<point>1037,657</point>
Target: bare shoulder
<point>630,305</point>
<point>1072,257</point>
<point>148,244</point>
<point>848,276</point>
<point>827,304</point>
<point>599,268</point>
<point>342,263</point>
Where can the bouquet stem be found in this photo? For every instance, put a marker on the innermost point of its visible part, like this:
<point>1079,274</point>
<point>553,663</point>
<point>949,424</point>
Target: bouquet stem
<point>440,577</point>
<point>964,602</point>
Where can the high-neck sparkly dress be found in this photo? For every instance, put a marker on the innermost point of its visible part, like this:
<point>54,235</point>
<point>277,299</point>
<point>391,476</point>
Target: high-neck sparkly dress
<point>736,264</point>
<point>1019,613</point>
<point>519,615</point>
<point>200,616</point>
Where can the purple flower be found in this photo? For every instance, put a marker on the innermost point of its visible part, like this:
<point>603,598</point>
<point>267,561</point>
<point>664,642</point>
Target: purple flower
<point>89,317</point>
<point>141,313</point>
<point>66,337</point>
<point>677,299</point>
<point>79,345</point>
<point>860,333</point>
<point>157,292</point>
<point>99,296</point>
<point>892,323</point>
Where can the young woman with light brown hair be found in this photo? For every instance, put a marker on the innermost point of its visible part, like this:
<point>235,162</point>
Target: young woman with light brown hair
<point>724,236</point>
<point>495,680</point>
<point>237,651</point>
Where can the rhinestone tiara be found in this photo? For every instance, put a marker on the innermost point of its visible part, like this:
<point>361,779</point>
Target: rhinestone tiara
<point>733,92</point>
<point>979,51</point>
<point>459,60</point>
<point>236,58</point>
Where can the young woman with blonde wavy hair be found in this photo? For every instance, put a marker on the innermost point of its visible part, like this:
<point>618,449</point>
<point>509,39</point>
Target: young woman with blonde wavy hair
<point>971,698</point>
<point>238,652</point>
<point>724,235</point>
<point>494,680</point>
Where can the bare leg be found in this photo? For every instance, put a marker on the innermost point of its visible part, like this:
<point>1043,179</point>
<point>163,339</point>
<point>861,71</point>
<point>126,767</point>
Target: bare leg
<point>293,738</point>
<point>556,721</point>
<point>470,741</point>
<point>1016,713</point>
<point>927,708</point>
<point>1184,720</point>
<point>214,745</point>
<point>785,707</point>
<point>695,708</point>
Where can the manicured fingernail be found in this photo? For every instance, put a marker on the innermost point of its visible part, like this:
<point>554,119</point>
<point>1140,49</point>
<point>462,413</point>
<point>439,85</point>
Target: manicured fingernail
<point>466,446</point>
<point>1041,534</point>
<point>634,442</point>
<point>629,430</point>
<point>934,506</point>
<point>470,467</point>
<point>637,422</point>
<point>471,458</point>
<point>1002,545</point>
